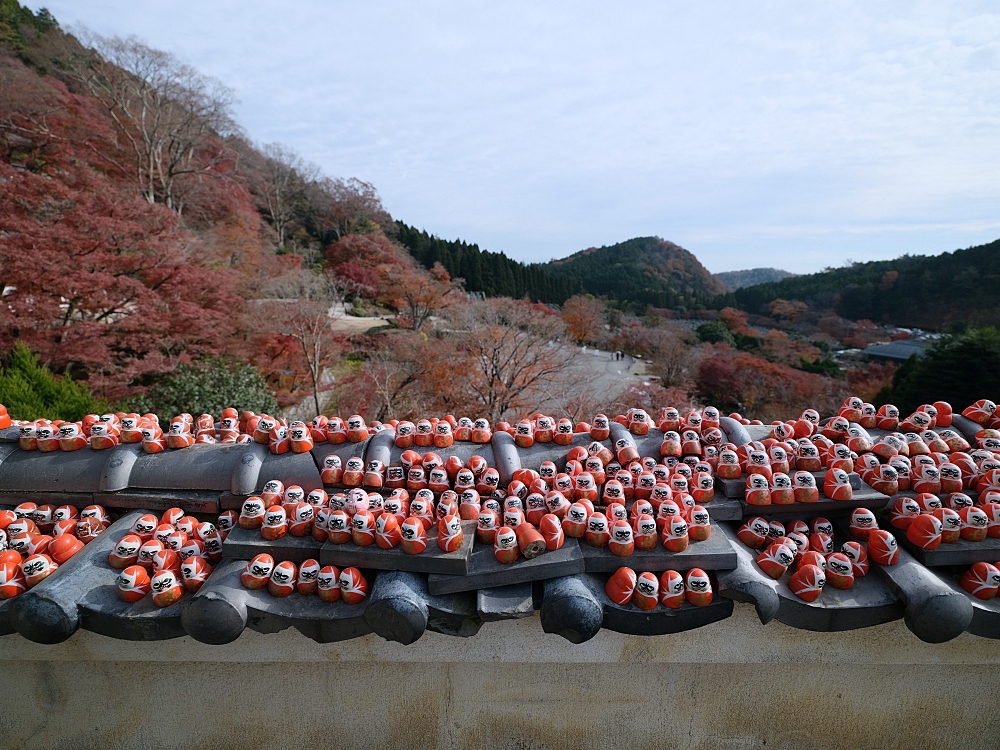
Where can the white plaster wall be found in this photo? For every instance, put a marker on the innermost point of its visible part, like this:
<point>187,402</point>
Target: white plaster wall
<point>734,684</point>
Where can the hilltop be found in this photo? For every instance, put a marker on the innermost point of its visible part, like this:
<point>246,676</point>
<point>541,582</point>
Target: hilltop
<point>751,277</point>
<point>641,272</point>
<point>637,273</point>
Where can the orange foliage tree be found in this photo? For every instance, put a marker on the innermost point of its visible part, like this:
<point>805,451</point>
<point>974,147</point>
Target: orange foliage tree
<point>790,310</point>
<point>736,321</point>
<point>417,294</point>
<point>584,318</point>
<point>779,347</point>
<point>762,389</point>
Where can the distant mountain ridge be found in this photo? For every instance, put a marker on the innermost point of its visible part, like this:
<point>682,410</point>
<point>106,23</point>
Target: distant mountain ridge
<point>751,277</point>
<point>922,291</point>
<point>640,272</point>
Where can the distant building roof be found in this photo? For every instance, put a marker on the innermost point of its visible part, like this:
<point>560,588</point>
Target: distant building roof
<point>901,350</point>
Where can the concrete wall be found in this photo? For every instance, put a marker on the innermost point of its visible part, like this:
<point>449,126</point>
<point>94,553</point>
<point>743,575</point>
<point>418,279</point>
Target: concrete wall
<point>735,684</point>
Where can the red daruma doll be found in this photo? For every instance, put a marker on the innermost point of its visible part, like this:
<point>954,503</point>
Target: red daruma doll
<point>982,580</point>
<point>450,536</point>
<point>698,588</point>
<point>275,524</point>
<point>551,530</point>
<point>487,525</point>
<point>672,589</point>
<point>125,553</point>
<point>505,547</point>
<point>621,586</point>
<point>646,592</point>
<point>598,532</point>
<point>413,536</point>
<point>645,533</point>
<point>282,581</point>
<point>307,582</point>
<point>257,572</point>
<point>882,547</point>
<point>387,533</point>
<point>353,586</point>
<point>328,584</point>
<point>166,588</point>
<point>575,522</point>
<point>194,572</point>
<point>675,534</point>
<point>133,583</point>
<point>807,582</point>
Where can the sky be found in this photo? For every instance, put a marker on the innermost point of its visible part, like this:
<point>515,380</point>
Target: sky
<point>786,134</point>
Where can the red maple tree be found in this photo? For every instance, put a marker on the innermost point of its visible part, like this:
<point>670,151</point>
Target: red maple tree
<point>97,282</point>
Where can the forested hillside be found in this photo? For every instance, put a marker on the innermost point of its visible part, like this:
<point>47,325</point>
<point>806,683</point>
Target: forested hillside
<point>929,292</point>
<point>641,272</point>
<point>493,274</point>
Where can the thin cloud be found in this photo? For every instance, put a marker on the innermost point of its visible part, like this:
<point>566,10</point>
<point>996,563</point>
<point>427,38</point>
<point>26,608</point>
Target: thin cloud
<point>543,129</point>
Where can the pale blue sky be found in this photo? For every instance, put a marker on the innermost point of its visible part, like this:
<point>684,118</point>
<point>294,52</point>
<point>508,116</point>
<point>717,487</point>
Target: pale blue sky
<point>796,135</point>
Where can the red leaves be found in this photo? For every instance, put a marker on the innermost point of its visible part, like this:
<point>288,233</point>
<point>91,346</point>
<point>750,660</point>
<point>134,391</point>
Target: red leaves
<point>365,250</point>
<point>751,384</point>
<point>366,279</point>
<point>95,281</point>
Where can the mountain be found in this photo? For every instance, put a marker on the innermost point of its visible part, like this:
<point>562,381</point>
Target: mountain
<point>930,292</point>
<point>493,274</point>
<point>751,277</point>
<point>641,272</point>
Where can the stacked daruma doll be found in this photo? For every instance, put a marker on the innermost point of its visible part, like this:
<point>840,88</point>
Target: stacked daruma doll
<point>804,555</point>
<point>619,501</point>
<point>167,556</point>
<point>36,539</point>
<point>400,519</point>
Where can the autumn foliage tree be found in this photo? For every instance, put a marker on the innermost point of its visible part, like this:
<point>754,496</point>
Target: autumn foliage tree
<point>509,350</point>
<point>130,241</point>
<point>300,309</point>
<point>96,281</point>
<point>584,318</point>
<point>761,389</point>
<point>393,278</point>
<point>418,294</point>
<point>789,310</point>
<point>171,117</point>
<point>499,358</point>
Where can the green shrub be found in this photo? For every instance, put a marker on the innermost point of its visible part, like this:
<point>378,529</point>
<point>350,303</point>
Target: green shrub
<point>30,391</point>
<point>820,366</point>
<point>207,388</point>
<point>715,332</point>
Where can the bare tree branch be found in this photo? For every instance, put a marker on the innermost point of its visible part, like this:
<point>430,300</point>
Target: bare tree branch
<point>165,111</point>
<point>301,307</point>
